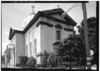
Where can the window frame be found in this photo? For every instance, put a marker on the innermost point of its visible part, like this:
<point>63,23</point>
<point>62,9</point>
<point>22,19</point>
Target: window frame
<point>30,48</point>
<point>35,45</point>
<point>58,37</point>
<point>26,49</point>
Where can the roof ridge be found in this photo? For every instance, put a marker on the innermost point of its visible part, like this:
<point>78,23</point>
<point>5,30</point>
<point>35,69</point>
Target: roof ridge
<point>52,9</point>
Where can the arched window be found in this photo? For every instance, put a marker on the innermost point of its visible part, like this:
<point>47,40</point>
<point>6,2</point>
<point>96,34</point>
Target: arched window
<point>30,49</point>
<point>26,49</point>
<point>35,43</point>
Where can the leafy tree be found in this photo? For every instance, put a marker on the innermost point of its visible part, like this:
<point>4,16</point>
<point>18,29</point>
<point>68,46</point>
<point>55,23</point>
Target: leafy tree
<point>73,48</point>
<point>92,34</point>
<point>65,50</point>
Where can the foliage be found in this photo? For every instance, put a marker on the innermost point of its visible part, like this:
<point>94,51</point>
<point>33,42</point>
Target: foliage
<point>70,50</point>
<point>52,60</point>
<point>3,59</point>
<point>73,48</point>
<point>44,59</point>
<point>91,31</point>
<point>23,60</point>
<point>58,46</point>
<point>31,62</point>
<point>92,34</point>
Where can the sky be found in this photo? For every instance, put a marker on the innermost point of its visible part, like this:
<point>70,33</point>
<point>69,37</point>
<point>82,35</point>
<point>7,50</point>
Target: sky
<point>13,14</point>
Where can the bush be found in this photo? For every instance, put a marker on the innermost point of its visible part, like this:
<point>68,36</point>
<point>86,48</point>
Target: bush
<point>31,62</point>
<point>23,60</point>
<point>44,59</point>
<point>52,60</point>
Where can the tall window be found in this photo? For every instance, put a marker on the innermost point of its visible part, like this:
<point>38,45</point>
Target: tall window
<point>35,42</point>
<point>26,50</point>
<point>30,49</point>
<point>58,35</point>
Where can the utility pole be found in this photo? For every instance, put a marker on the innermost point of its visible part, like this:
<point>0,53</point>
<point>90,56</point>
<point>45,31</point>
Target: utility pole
<point>86,36</point>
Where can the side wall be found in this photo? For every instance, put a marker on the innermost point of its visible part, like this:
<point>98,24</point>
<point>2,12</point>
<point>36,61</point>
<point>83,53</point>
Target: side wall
<point>12,58</point>
<point>33,41</point>
<point>13,41</point>
<point>47,38</point>
<point>20,46</point>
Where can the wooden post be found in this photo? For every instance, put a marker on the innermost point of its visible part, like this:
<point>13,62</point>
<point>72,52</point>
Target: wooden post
<point>86,36</point>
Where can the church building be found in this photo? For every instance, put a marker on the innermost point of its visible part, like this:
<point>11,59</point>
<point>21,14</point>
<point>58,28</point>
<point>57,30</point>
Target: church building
<point>39,34</point>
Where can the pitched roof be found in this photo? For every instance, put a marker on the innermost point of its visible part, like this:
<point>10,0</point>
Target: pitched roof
<point>12,32</point>
<point>47,14</point>
<point>43,13</point>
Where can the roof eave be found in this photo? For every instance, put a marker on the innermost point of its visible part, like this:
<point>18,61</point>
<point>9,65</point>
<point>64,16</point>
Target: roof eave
<point>42,13</point>
<point>15,31</point>
<point>69,18</point>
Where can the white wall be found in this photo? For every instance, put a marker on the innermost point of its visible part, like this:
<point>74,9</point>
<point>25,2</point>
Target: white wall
<point>44,35</point>
<point>55,23</point>
<point>65,34</point>
<point>12,58</point>
<point>49,34</point>
<point>47,37</point>
<point>36,37</point>
<point>30,36</point>
<point>13,41</point>
<point>20,46</point>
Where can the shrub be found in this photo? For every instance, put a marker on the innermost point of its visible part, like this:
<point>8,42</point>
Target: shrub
<point>31,62</point>
<point>44,59</point>
<point>52,60</point>
<point>23,60</point>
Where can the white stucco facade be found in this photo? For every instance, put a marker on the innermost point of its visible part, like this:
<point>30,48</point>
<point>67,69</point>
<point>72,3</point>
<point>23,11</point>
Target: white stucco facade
<point>43,36</point>
<point>20,46</point>
<point>40,36</point>
<point>33,41</point>
<point>48,34</point>
<point>18,41</point>
<point>12,58</point>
